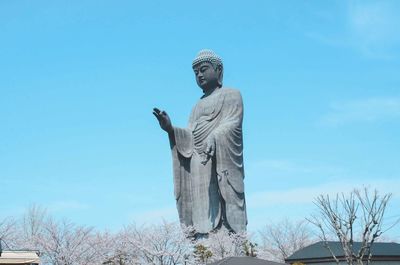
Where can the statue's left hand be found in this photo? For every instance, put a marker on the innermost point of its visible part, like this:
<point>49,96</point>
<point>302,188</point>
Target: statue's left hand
<point>209,149</point>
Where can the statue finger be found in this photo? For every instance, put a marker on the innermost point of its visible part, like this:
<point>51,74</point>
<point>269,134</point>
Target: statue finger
<point>212,152</point>
<point>156,110</point>
<point>156,115</point>
<point>208,149</point>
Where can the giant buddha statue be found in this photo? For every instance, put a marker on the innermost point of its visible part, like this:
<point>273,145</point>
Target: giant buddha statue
<point>208,154</point>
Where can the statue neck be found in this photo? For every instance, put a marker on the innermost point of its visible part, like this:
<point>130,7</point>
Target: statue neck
<point>210,91</point>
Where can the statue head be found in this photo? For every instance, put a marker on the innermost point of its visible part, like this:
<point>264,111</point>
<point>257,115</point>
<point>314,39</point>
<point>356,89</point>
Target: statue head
<point>208,69</point>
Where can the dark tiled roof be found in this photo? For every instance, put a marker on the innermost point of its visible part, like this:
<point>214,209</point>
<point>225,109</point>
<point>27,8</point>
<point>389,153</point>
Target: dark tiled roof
<point>319,251</point>
<point>244,261</point>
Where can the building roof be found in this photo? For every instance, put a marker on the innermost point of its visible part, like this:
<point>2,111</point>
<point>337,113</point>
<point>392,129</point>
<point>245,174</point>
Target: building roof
<point>244,261</point>
<point>319,251</point>
<point>19,257</point>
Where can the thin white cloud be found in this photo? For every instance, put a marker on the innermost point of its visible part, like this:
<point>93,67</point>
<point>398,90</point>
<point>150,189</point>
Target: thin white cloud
<point>287,167</point>
<point>168,213</point>
<point>372,28</point>
<point>362,110</point>
<point>297,203</point>
<point>306,195</point>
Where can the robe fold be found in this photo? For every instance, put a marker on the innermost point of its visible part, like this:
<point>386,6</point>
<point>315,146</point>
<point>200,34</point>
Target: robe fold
<point>212,194</point>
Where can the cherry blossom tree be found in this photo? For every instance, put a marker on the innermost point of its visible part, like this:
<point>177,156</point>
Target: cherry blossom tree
<point>8,233</point>
<point>165,244</point>
<point>222,244</point>
<point>64,243</point>
<point>280,240</point>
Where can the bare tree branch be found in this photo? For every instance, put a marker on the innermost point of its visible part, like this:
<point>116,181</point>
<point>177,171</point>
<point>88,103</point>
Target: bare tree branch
<point>358,215</point>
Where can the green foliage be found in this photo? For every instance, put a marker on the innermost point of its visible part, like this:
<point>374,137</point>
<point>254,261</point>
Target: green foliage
<point>250,248</point>
<point>202,253</point>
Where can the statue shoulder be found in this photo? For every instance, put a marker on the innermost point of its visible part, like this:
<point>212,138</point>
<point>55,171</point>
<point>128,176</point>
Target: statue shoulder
<point>231,93</point>
<point>229,90</point>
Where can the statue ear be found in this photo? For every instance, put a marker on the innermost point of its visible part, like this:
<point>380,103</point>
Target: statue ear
<point>220,75</point>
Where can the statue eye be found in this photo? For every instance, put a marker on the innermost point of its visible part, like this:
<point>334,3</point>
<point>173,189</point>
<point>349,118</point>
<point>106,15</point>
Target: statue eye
<point>203,69</point>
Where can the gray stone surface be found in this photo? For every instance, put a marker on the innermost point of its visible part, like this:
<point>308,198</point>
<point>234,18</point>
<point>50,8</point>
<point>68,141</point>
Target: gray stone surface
<point>208,154</point>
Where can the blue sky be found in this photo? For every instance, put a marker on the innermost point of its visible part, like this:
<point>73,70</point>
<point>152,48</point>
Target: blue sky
<point>320,82</point>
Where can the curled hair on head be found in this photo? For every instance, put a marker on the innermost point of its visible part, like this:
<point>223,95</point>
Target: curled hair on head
<point>208,56</point>
<point>217,65</point>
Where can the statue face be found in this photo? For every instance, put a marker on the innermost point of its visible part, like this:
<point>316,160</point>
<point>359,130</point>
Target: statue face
<point>207,77</point>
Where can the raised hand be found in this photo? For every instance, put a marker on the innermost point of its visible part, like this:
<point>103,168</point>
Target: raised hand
<point>164,120</point>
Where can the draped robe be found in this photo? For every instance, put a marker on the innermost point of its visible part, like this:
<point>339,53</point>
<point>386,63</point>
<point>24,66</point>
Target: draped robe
<point>211,195</point>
